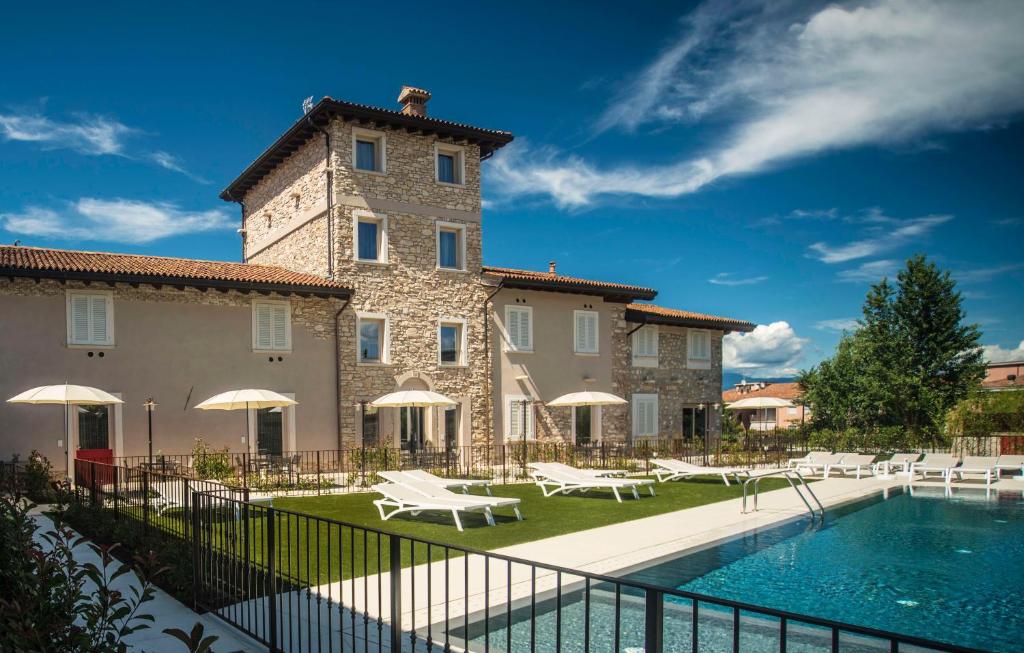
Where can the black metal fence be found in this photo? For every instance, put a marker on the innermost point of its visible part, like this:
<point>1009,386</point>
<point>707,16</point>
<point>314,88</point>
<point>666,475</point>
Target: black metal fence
<point>299,583</point>
<point>303,583</point>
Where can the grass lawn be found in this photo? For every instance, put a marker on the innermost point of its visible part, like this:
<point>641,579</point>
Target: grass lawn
<point>313,551</point>
<point>542,517</point>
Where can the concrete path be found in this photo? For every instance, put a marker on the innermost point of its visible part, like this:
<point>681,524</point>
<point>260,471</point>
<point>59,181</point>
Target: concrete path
<point>167,611</point>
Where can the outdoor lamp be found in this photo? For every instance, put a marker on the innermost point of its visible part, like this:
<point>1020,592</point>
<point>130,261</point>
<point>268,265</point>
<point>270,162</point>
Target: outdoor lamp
<point>150,406</point>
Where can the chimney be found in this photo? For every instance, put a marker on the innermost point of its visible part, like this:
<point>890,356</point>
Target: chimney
<point>414,101</point>
<point>551,267</point>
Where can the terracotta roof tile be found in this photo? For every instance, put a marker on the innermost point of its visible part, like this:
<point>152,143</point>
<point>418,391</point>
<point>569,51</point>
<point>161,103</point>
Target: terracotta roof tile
<point>68,263</point>
<point>575,284</point>
<point>634,312</point>
<point>778,390</point>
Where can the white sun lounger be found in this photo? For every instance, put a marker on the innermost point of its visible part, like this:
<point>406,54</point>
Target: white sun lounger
<point>668,469</point>
<point>934,462</point>
<point>569,469</point>
<point>435,492</point>
<point>403,498</point>
<point>809,458</point>
<point>1010,462</point>
<point>852,462</point>
<point>448,483</point>
<point>898,462</point>
<point>821,462</point>
<point>983,465</point>
<point>555,481</point>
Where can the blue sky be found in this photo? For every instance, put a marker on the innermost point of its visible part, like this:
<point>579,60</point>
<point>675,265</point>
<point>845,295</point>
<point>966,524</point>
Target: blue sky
<point>765,161</point>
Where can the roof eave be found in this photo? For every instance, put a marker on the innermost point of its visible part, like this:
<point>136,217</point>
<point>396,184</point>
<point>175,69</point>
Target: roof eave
<point>489,141</point>
<point>642,317</point>
<point>263,287</point>
<point>611,295</point>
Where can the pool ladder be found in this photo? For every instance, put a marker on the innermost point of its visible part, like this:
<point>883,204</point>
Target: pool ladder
<point>796,481</point>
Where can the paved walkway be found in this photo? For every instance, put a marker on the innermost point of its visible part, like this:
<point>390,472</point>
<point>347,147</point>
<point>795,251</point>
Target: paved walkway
<point>167,611</point>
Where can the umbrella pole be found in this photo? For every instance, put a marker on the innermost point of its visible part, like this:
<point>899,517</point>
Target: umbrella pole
<point>67,442</point>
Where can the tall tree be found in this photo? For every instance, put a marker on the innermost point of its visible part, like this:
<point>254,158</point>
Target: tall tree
<point>912,359</point>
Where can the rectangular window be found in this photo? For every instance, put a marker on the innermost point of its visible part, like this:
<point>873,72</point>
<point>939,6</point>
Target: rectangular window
<point>369,150</point>
<point>519,326</point>
<point>451,427</point>
<point>451,246</point>
<point>451,342</point>
<point>586,332</point>
<point>93,427</point>
<point>645,415</point>
<point>581,424</point>
<point>518,411</point>
<point>698,355</point>
<point>371,236</point>
<point>271,326</point>
<point>90,318</point>
<point>450,162</point>
<point>645,347</point>
<point>373,338</point>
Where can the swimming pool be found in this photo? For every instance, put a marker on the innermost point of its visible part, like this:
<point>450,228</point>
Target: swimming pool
<point>944,567</point>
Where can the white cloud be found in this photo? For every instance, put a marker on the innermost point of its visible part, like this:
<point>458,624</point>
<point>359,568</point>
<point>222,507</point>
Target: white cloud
<point>171,162</point>
<point>997,354</point>
<point>87,134</point>
<point>771,349</point>
<point>870,272</point>
<point>794,82</point>
<point>119,220</point>
<point>889,238</point>
<point>986,274</point>
<point>728,279</point>
<point>837,324</point>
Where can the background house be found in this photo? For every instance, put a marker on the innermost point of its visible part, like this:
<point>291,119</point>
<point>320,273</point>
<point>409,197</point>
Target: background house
<point>768,418</point>
<point>1003,376</point>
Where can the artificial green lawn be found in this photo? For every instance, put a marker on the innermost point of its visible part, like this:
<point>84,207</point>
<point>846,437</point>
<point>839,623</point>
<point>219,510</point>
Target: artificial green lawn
<point>310,551</point>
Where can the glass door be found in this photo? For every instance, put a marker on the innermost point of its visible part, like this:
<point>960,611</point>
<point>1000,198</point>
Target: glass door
<point>269,431</point>
<point>583,424</point>
<point>411,428</point>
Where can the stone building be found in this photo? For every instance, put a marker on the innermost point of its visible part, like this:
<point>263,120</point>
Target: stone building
<point>383,208</point>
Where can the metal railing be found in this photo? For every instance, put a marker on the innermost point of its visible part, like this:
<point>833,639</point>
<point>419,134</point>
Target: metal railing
<point>301,583</point>
<point>796,481</point>
<point>298,583</point>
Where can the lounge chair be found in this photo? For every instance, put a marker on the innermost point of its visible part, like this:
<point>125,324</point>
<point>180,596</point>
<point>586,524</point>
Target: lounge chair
<point>852,462</point>
<point>405,499</point>
<point>448,483</point>
<point>433,491</point>
<point>934,462</point>
<point>902,461</point>
<point>569,469</point>
<point>668,469</point>
<point>809,458</point>
<point>564,482</point>
<point>984,465</point>
<point>821,462</point>
<point>1007,463</point>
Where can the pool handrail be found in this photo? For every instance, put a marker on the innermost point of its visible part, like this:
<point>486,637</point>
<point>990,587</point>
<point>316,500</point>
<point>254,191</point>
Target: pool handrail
<point>788,474</point>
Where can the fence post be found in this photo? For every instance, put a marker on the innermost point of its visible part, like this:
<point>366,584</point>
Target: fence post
<point>117,474</point>
<point>271,553</point>
<point>92,482</point>
<point>654,622</point>
<point>145,500</point>
<point>196,531</point>
<point>395,547</point>
<point>318,471</point>
<point>187,499</point>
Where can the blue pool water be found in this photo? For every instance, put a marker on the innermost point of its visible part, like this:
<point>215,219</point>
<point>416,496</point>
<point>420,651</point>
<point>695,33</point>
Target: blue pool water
<point>947,568</point>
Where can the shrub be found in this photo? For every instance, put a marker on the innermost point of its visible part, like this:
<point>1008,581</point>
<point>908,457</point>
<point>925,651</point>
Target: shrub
<point>210,463</point>
<point>38,479</point>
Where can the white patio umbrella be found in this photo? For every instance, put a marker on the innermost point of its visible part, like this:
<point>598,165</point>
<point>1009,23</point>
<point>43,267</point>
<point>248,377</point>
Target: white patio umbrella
<point>66,395</point>
<point>759,403</point>
<point>245,400</point>
<point>587,398</point>
<point>412,399</point>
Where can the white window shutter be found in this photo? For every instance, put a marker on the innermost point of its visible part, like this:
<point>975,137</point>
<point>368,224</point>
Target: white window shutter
<point>263,327</point>
<point>512,326</point>
<point>279,316</point>
<point>525,330</point>
<point>514,418</point>
<point>79,319</point>
<point>98,315</point>
<point>591,333</point>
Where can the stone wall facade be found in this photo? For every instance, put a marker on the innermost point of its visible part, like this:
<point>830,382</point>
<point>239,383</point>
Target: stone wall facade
<point>409,288</point>
<point>676,384</point>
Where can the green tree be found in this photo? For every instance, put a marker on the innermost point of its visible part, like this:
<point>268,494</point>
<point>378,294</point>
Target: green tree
<point>910,361</point>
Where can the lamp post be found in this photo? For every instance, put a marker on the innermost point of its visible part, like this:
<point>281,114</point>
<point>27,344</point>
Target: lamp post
<point>150,406</point>
<point>704,412</point>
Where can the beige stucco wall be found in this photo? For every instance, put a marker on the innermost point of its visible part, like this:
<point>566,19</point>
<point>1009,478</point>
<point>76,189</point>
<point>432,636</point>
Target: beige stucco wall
<point>177,346</point>
<point>676,384</point>
<point>553,367</point>
<point>409,289</point>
